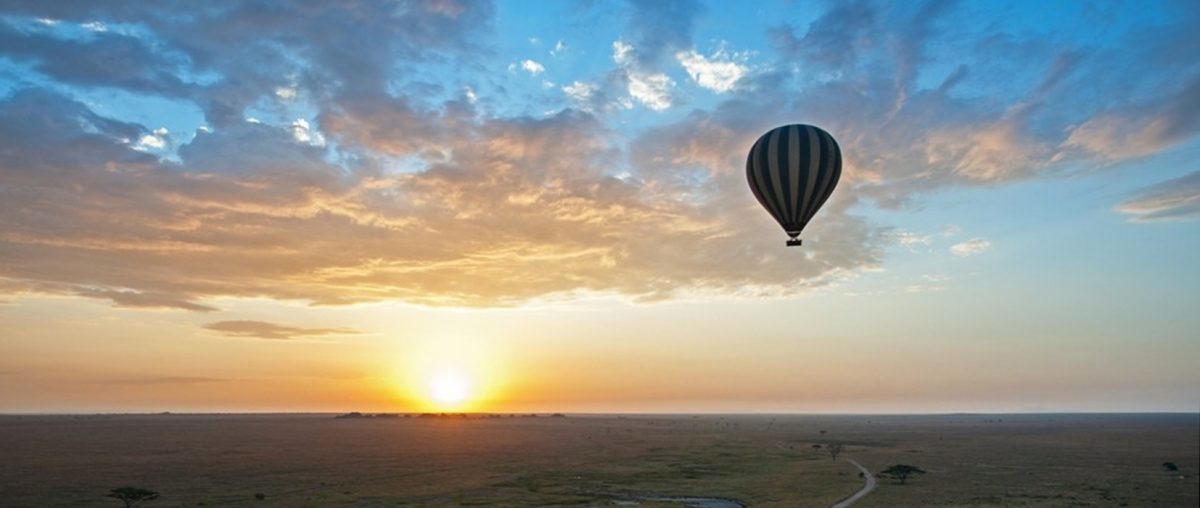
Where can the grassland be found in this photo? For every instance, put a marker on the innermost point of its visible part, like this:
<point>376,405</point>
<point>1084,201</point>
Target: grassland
<point>317,460</point>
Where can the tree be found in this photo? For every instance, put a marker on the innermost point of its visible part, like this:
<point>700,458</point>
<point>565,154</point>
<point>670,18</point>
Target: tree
<point>834,450</point>
<point>132,495</point>
<point>901,472</point>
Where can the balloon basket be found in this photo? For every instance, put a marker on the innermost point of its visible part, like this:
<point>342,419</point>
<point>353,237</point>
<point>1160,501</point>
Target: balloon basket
<point>794,242</point>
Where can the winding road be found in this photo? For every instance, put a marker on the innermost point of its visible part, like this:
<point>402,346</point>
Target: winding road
<point>862,492</point>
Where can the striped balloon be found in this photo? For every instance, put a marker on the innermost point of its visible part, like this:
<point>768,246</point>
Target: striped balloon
<point>792,170</point>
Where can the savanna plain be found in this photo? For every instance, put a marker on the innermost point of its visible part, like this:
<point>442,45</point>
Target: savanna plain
<point>599,460</point>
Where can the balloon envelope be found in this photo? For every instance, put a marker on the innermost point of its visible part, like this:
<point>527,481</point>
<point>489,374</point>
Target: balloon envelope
<point>792,170</point>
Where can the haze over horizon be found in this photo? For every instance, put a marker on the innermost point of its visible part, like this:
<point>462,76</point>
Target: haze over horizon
<point>440,205</point>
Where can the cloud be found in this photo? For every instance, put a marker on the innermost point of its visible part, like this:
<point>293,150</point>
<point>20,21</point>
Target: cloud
<point>579,92</point>
<point>391,125</point>
<point>1174,199</point>
<point>835,39</point>
<point>660,28</point>
<point>719,73</point>
<point>970,247</point>
<point>1140,130</point>
<point>287,93</point>
<point>361,184</point>
<point>155,140</point>
<point>622,52</point>
<point>910,240</point>
<point>265,330</point>
<point>160,380</point>
<point>532,67</point>
<point>143,299</point>
<point>303,133</point>
<point>512,210</point>
<point>227,58</point>
<point>652,90</point>
<point>105,59</point>
<point>1003,150</point>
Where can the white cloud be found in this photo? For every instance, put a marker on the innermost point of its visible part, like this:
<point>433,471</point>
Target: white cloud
<point>95,26</point>
<point>580,92</point>
<point>532,67</point>
<point>469,93</point>
<point>303,133</point>
<point>286,93</point>
<point>970,247</point>
<point>559,48</point>
<point>621,52</point>
<point>156,140</point>
<point>652,90</point>
<point>911,240</point>
<point>719,74</point>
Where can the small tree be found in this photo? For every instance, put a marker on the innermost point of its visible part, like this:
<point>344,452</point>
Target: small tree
<point>901,472</point>
<point>132,495</point>
<point>834,450</point>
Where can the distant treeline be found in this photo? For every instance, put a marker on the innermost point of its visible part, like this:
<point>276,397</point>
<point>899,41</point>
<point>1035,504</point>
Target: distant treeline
<point>356,414</point>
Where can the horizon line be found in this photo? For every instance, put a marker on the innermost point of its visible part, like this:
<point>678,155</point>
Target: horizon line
<point>594,413</point>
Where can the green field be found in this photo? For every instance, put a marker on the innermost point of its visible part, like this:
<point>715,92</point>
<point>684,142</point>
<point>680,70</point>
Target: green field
<point>317,460</point>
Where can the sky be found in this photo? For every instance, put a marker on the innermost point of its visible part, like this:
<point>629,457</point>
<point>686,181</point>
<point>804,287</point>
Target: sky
<point>443,205</point>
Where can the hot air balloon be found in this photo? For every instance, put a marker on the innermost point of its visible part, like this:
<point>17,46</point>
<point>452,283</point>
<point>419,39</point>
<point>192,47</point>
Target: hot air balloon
<point>792,170</point>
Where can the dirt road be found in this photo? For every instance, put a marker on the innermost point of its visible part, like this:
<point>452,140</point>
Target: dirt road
<point>862,492</point>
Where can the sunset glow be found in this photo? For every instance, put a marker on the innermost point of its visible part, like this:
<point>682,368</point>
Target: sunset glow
<point>449,389</point>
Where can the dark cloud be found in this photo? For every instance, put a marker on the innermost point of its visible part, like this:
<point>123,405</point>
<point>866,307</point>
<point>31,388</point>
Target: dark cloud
<point>104,59</point>
<point>265,330</point>
<point>659,28</point>
<point>836,39</point>
<point>910,44</point>
<point>243,51</point>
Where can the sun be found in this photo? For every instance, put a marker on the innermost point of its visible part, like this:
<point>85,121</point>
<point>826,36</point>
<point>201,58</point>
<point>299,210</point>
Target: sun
<point>449,389</point>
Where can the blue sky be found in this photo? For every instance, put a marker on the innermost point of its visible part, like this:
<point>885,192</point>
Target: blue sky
<point>1020,179</point>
